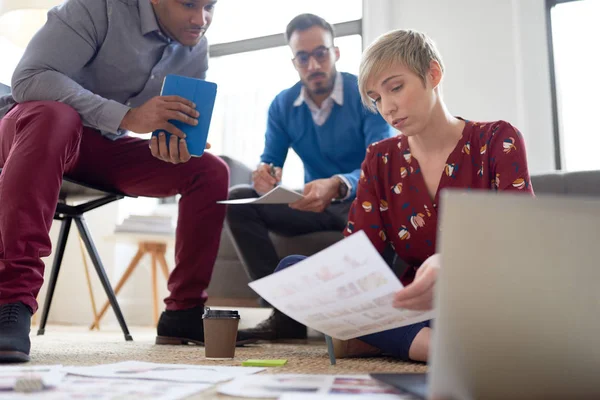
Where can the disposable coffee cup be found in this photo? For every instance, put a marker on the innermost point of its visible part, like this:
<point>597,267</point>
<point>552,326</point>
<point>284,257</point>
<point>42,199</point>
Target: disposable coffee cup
<point>220,333</point>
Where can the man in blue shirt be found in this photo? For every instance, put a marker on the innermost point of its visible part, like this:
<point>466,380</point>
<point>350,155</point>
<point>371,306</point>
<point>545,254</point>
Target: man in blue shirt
<point>323,120</point>
<point>91,74</point>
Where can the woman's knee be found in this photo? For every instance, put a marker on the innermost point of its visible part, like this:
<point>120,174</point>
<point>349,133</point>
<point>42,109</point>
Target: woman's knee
<point>289,261</point>
<point>396,342</point>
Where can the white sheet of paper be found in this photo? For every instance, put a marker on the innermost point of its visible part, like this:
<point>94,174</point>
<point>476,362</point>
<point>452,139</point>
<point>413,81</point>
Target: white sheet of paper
<point>51,375</point>
<point>77,387</point>
<point>274,386</point>
<point>344,291</point>
<point>164,372</point>
<point>278,195</point>
<point>336,396</point>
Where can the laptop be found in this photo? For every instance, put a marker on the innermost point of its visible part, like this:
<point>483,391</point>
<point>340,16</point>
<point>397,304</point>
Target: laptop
<point>517,300</point>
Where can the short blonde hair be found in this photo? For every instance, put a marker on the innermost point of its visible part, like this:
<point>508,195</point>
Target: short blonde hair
<point>413,49</point>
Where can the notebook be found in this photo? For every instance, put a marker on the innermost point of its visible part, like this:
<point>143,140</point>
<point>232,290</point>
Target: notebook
<point>203,94</point>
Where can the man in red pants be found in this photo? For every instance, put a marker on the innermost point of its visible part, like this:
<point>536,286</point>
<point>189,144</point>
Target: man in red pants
<point>92,74</point>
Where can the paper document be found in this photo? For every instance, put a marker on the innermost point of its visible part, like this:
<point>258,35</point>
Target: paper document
<point>164,372</point>
<point>274,386</point>
<point>77,387</point>
<point>51,375</point>
<point>337,396</point>
<point>278,195</point>
<point>344,291</point>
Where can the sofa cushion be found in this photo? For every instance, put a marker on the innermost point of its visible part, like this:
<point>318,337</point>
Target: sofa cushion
<point>585,183</point>
<point>548,183</point>
<point>580,183</point>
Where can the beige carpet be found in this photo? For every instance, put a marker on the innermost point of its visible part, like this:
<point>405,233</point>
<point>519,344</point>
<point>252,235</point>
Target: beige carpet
<point>78,346</point>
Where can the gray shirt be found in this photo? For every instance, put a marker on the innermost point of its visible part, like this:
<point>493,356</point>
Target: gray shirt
<point>101,57</point>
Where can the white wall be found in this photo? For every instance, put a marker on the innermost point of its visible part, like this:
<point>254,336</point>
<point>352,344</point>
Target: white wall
<point>496,58</point>
<point>19,21</point>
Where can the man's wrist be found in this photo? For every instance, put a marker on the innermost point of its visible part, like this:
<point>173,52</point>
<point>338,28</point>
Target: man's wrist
<point>341,188</point>
<point>125,123</point>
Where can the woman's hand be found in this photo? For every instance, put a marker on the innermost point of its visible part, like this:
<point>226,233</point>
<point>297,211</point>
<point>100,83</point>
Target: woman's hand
<point>419,294</point>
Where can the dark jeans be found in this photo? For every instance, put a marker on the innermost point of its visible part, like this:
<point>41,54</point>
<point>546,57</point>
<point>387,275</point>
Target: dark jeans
<point>250,225</point>
<point>395,342</point>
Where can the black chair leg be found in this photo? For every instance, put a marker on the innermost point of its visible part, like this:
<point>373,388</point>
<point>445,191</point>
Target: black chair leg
<point>89,244</point>
<point>60,252</point>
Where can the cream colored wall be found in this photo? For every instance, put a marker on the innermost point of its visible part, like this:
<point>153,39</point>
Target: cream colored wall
<point>19,26</point>
<point>496,58</point>
<point>10,5</point>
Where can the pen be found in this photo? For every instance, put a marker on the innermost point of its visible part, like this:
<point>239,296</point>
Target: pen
<point>272,169</point>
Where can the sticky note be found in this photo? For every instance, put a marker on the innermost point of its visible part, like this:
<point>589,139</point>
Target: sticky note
<point>264,363</point>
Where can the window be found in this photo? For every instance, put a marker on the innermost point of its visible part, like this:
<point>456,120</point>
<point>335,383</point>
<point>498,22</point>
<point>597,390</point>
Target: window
<point>16,29</point>
<point>574,29</point>
<point>242,19</point>
<point>11,54</point>
<point>249,80</point>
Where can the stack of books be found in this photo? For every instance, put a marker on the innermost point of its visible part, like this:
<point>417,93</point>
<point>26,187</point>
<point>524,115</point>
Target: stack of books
<point>153,224</point>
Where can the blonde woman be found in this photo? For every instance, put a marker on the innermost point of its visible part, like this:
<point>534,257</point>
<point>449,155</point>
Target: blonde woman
<point>398,194</point>
<point>397,201</point>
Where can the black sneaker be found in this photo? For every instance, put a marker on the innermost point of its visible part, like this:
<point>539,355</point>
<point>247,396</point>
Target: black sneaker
<point>15,324</point>
<point>186,326</point>
<point>277,327</point>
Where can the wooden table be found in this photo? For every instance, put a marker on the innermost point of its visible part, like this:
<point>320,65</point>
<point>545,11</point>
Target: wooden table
<point>156,247</point>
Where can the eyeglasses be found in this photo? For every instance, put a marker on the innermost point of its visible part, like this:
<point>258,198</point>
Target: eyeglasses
<point>321,55</point>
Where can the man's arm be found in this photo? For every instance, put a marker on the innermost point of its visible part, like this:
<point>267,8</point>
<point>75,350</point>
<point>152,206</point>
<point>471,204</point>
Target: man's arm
<point>277,141</point>
<point>65,44</point>
<point>375,129</point>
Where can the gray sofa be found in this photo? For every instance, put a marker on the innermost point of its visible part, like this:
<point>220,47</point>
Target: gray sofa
<point>583,183</point>
<point>229,284</point>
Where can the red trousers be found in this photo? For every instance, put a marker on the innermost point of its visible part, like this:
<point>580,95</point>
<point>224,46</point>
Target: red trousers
<point>42,141</point>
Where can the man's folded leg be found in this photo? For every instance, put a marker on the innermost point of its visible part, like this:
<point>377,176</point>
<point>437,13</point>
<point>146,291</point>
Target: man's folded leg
<point>250,225</point>
<point>38,142</point>
<point>128,165</point>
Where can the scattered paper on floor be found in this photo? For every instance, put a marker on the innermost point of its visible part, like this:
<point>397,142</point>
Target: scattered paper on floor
<point>164,372</point>
<point>304,386</point>
<point>78,387</point>
<point>51,375</point>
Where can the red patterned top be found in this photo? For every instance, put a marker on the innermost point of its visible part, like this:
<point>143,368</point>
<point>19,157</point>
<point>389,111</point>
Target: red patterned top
<point>393,205</point>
